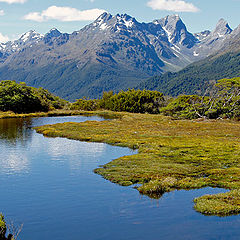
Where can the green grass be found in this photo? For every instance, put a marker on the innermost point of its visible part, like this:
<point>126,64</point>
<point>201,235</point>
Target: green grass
<point>172,154</point>
<point>223,204</point>
<point>10,114</point>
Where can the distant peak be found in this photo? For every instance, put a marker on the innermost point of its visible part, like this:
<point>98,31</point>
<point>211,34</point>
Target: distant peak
<point>104,17</point>
<point>54,32</point>
<point>32,34</point>
<point>222,21</point>
<point>174,17</point>
<point>28,33</point>
<point>169,21</point>
<point>124,16</point>
<point>53,29</point>
<point>222,28</point>
<point>125,20</point>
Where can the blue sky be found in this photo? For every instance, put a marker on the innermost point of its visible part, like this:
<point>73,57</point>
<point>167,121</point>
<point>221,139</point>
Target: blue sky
<point>20,16</point>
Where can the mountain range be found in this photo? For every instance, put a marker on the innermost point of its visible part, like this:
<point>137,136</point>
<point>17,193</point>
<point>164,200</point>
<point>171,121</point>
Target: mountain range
<point>116,52</point>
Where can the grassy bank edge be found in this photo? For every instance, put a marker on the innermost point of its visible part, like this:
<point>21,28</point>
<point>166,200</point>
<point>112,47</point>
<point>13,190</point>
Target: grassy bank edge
<point>105,114</point>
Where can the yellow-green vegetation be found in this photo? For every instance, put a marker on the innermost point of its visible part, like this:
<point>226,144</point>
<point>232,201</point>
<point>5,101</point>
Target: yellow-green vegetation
<point>54,113</point>
<point>172,154</point>
<point>219,204</point>
<point>3,228</point>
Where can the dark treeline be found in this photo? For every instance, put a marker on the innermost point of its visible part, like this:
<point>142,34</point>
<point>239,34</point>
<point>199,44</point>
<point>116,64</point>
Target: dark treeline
<point>221,100</point>
<point>20,98</point>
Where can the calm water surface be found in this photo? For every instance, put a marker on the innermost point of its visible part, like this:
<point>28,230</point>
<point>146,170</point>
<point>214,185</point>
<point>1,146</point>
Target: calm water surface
<point>48,184</point>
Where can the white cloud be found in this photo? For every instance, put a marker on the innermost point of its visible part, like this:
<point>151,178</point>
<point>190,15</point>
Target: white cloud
<point>64,14</point>
<point>172,5</point>
<point>2,13</point>
<point>3,38</point>
<point>13,1</point>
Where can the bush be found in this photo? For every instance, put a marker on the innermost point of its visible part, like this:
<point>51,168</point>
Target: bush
<point>135,101</point>
<point>20,98</point>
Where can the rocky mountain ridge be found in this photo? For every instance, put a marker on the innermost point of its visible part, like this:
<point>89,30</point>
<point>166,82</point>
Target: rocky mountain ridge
<point>112,53</point>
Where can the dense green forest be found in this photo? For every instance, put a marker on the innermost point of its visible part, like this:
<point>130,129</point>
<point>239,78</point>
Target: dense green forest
<point>221,100</point>
<point>135,101</point>
<point>20,98</point>
<point>197,77</point>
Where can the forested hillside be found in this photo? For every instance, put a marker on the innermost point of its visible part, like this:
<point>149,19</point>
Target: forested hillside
<point>197,77</point>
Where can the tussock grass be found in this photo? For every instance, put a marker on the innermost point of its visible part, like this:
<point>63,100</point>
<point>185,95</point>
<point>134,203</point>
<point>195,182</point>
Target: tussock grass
<point>223,204</point>
<point>172,154</point>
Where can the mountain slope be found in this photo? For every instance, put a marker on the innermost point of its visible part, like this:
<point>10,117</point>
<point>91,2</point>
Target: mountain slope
<point>195,78</point>
<point>112,53</point>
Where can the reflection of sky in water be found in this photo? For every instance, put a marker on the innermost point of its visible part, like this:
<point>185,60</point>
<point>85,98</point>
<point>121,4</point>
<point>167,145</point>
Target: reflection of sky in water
<point>60,147</point>
<point>14,163</point>
<point>60,150</point>
<point>19,145</point>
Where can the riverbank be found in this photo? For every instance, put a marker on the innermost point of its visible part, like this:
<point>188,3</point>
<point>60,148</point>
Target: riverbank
<point>55,113</point>
<point>172,154</point>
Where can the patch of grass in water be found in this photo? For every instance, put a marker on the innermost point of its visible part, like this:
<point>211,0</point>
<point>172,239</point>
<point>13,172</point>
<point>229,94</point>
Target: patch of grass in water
<point>223,204</point>
<point>172,154</point>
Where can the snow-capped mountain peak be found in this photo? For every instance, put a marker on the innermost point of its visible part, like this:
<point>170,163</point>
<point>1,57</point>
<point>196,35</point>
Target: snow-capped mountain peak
<point>30,35</point>
<point>126,20</point>
<point>222,28</point>
<point>119,22</point>
<point>53,33</point>
<point>176,31</point>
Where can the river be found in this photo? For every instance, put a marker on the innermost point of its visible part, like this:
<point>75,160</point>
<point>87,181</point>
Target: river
<point>48,185</point>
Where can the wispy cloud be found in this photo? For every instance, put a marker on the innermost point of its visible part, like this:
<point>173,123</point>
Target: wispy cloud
<point>172,5</point>
<point>64,14</point>
<point>2,13</point>
<point>13,1</point>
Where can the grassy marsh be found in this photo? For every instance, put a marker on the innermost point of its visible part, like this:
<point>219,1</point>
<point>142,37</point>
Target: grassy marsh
<point>172,154</point>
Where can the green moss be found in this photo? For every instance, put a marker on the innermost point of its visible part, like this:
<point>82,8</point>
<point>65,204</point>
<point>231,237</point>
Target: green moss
<point>158,187</point>
<point>172,154</point>
<point>223,204</point>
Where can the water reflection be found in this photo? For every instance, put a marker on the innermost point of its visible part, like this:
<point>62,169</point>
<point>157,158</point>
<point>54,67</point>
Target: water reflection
<point>60,147</point>
<point>13,131</point>
<point>14,164</point>
<point>19,144</point>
